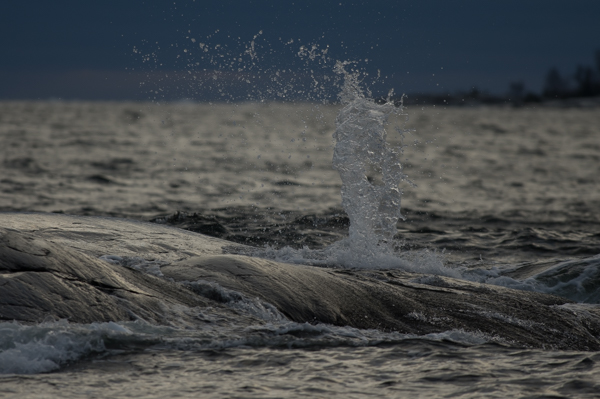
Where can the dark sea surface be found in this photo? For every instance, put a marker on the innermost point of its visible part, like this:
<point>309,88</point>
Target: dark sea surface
<point>501,195</point>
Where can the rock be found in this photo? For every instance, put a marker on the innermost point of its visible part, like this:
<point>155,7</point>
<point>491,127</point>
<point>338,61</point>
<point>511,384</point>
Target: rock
<point>41,281</point>
<point>392,300</point>
<point>49,269</point>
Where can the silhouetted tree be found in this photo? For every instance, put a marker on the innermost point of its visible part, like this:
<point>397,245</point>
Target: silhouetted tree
<point>585,81</point>
<point>474,93</point>
<point>518,95</point>
<point>597,80</point>
<point>555,85</point>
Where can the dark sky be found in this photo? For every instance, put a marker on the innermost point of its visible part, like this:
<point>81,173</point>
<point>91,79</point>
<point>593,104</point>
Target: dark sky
<point>85,49</point>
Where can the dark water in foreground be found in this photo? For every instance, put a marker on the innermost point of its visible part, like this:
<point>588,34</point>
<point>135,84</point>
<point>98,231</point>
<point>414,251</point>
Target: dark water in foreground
<point>413,368</point>
<point>497,190</point>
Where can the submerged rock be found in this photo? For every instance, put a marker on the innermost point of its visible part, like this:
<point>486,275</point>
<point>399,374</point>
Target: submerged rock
<point>49,269</point>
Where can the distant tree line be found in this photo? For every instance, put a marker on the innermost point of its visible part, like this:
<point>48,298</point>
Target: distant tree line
<point>587,81</point>
<point>584,82</point>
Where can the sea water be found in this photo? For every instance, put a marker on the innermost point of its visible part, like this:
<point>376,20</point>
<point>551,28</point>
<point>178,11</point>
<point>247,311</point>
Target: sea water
<point>494,190</point>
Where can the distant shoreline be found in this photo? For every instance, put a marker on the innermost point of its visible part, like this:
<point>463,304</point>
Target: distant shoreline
<point>458,101</point>
<point>422,100</point>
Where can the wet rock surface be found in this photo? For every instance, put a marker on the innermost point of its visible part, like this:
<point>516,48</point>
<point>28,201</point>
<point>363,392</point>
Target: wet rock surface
<point>392,300</point>
<point>49,269</point>
<point>42,281</point>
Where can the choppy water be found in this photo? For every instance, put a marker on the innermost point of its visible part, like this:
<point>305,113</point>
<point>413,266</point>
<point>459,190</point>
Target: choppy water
<point>497,189</point>
<point>413,368</point>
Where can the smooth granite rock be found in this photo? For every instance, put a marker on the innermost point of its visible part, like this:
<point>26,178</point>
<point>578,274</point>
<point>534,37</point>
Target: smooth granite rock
<point>50,269</point>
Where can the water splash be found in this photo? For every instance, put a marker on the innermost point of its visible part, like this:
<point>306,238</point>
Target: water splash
<point>368,166</point>
<point>371,174</point>
<point>373,207</point>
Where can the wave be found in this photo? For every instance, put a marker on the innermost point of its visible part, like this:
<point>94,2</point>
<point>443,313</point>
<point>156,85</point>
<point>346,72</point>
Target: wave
<point>48,346</point>
<point>28,349</point>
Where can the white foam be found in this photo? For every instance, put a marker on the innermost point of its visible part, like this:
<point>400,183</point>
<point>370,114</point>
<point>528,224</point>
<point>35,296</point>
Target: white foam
<point>345,255</point>
<point>578,280</point>
<point>28,349</point>
<point>351,336</point>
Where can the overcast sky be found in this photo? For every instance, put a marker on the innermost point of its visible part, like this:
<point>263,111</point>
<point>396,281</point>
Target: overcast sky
<point>96,49</point>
